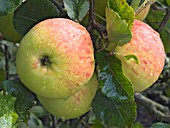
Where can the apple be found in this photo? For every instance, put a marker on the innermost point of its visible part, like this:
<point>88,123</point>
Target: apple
<point>76,105</point>
<point>147,46</point>
<point>7,28</point>
<point>55,58</point>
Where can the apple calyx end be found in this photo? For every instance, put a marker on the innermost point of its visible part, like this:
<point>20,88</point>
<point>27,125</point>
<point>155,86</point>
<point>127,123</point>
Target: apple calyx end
<point>45,61</point>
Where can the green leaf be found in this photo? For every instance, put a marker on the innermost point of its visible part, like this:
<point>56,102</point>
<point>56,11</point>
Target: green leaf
<point>117,29</point>
<point>39,111</point>
<point>124,10</point>
<point>154,18</point>
<point>97,124</point>
<point>143,10</point>
<point>6,104</point>
<point>34,122</point>
<point>113,83</point>
<point>135,4</point>
<point>6,121</point>
<point>24,98</point>
<point>168,2</point>
<point>1,54</point>
<point>160,125</point>
<point>128,57</point>
<point>22,125</point>
<point>8,116</point>
<point>8,6</point>
<point>112,113</point>
<point>94,122</point>
<point>11,49</point>
<point>165,36</point>
<point>137,125</point>
<point>76,9</point>
<point>31,12</point>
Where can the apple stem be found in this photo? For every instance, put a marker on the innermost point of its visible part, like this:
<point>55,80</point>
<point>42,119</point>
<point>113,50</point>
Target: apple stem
<point>165,20</point>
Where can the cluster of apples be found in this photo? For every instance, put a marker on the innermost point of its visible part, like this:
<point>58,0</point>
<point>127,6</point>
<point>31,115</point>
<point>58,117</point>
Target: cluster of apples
<point>55,60</point>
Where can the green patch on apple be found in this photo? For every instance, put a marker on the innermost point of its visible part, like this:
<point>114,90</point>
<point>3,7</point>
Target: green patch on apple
<point>76,105</point>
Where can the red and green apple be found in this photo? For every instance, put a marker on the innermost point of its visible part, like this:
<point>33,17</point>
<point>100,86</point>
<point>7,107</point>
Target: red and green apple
<point>76,105</point>
<point>55,58</point>
<point>147,46</point>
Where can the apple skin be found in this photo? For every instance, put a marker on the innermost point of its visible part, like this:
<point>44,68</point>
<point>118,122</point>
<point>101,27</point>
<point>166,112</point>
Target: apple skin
<point>76,105</point>
<point>55,58</point>
<point>147,46</point>
<point>7,29</point>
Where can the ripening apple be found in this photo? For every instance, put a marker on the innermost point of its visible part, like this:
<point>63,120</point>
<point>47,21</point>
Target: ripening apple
<point>7,28</point>
<point>55,58</point>
<point>147,46</point>
<point>76,105</point>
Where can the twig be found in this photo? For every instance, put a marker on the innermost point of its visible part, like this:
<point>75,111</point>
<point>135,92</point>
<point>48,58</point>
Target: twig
<point>6,61</point>
<point>91,16</point>
<point>160,112</point>
<point>91,11</point>
<point>92,24</point>
<point>55,2</point>
<point>165,20</point>
<point>158,8</point>
<point>101,29</point>
<point>158,96</point>
<point>54,120</point>
<point>62,13</point>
